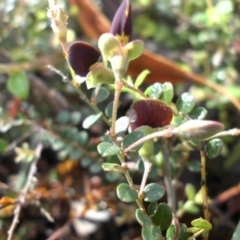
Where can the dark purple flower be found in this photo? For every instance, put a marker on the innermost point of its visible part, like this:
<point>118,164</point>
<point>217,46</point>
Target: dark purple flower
<point>122,22</point>
<point>82,56</point>
<point>149,112</point>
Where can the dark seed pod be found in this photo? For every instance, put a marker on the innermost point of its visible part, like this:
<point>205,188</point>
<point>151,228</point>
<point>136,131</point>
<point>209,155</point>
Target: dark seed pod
<point>82,56</point>
<point>152,113</point>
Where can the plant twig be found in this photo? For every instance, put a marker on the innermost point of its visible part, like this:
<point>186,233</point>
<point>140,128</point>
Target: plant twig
<point>80,92</point>
<point>147,169</point>
<point>125,84</point>
<point>118,88</point>
<point>167,133</point>
<point>204,188</point>
<point>23,194</point>
<point>171,194</point>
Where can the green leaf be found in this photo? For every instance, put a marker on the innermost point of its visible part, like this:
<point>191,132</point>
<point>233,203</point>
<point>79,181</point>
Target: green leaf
<point>143,219</point>
<point>76,154</point>
<point>191,207</point>
<point>202,224</point>
<point>125,193</point>
<point>18,84</point>
<point>163,216</point>
<point>133,49</point>
<point>190,191</point>
<point>151,232</point>
<point>63,117</point>
<point>153,192</point>
<point>155,91</point>
<point>75,117</point>
<point>213,148</point>
<point>102,94</point>
<point>198,113</point>
<point>86,161</point>
<point>236,234</point>
<point>183,234</point>
<point>90,120</point>
<point>113,167</point>
<point>108,110</point>
<point>132,138</point>
<point>82,137</point>
<point>194,166</point>
<point>95,167</point>
<point>109,45</point>
<point>99,75</point>
<point>152,208</point>
<point>58,145</point>
<point>167,92</point>
<point>107,149</point>
<point>224,7</point>
<point>141,77</point>
<point>112,176</point>
<point>185,103</point>
<point>178,120</point>
<point>122,124</point>
<point>3,145</point>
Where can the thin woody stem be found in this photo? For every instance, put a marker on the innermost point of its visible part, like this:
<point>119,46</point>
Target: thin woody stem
<point>118,88</point>
<point>171,194</point>
<point>80,92</point>
<point>204,188</point>
<point>167,133</point>
<point>26,187</point>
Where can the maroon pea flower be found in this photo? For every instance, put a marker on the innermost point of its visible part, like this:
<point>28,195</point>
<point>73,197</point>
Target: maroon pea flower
<point>149,112</point>
<point>122,22</point>
<point>81,56</point>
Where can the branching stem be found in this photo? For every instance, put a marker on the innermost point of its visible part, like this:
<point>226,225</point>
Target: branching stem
<point>22,197</point>
<point>204,187</point>
<point>81,93</point>
<point>118,88</point>
<point>171,194</point>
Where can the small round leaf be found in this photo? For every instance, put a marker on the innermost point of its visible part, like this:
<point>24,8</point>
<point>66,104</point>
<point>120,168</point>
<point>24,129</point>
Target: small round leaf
<point>141,77</point>
<point>132,138</point>
<point>108,110</point>
<point>151,232</point>
<point>143,219</point>
<point>3,145</point>
<point>112,167</point>
<point>18,84</point>
<point>167,92</point>
<point>163,216</point>
<point>122,124</point>
<point>107,149</point>
<point>75,117</point>
<point>198,113</point>
<point>213,148</point>
<point>90,120</point>
<point>102,94</point>
<point>190,191</point>
<point>202,224</point>
<point>125,193</point>
<point>183,234</point>
<point>153,192</point>
<point>155,91</point>
<point>152,208</point>
<point>185,103</point>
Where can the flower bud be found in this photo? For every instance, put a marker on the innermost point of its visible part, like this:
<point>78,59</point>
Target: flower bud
<point>198,129</point>
<point>122,22</point>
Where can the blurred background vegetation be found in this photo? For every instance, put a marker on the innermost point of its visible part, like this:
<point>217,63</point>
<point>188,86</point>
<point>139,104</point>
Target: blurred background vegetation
<point>36,105</point>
